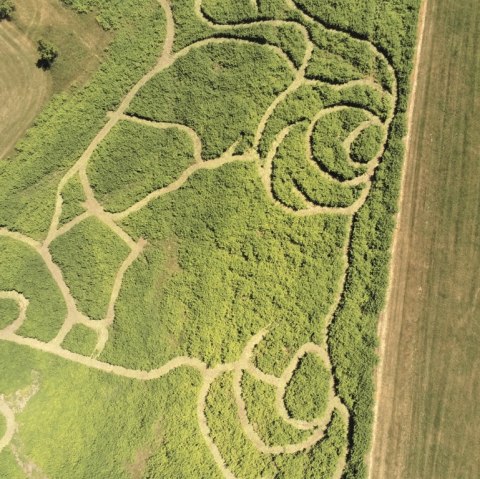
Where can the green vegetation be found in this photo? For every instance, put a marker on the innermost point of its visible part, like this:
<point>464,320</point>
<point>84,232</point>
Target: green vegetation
<point>88,414</point>
<point>198,299</point>
<point>8,313</point>
<point>236,80</point>
<point>48,53</point>
<point>135,160</point>
<point>244,461</point>
<point>68,124</point>
<point>90,254</point>
<point>72,198</point>
<point>293,172</point>
<point>301,105</point>
<point>367,144</point>
<point>307,393</point>
<point>80,339</point>
<point>22,270</point>
<point>230,11</point>
<point>326,142</point>
<point>261,409</point>
<point>288,37</point>
<point>7,7</point>
<point>222,261</point>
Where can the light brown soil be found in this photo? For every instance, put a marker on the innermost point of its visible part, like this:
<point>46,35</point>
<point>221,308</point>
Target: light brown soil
<point>23,87</point>
<point>428,412</point>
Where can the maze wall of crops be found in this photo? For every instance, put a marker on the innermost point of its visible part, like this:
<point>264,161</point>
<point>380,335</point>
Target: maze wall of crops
<point>210,218</point>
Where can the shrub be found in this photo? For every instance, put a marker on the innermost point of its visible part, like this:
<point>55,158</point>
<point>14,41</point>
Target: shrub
<point>80,339</point>
<point>307,393</point>
<point>7,7</point>
<point>367,144</point>
<point>236,81</point>
<point>48,54</point>
<point>89,256</point>
<point>135,160</point>
<point>23,270</point>
<point>8,312</point>
<point>72,198</point>
<point>262,413</point>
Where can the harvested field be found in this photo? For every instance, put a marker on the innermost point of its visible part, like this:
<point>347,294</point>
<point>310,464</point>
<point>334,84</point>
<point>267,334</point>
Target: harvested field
<point>79,38</point>
<point>23,87</point>
<point>428,416</point>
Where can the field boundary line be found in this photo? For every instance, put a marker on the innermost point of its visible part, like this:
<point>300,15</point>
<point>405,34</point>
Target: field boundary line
<point>384,319</point>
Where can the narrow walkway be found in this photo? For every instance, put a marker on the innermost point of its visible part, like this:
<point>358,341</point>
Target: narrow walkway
<point>94,208</point>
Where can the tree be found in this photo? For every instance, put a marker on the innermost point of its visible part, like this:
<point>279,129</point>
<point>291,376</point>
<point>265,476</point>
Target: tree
<point>6,9</point>
<point>48,54</point>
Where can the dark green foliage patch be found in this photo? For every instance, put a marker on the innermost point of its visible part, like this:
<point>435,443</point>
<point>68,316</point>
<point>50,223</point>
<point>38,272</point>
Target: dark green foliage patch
<point>135,160</point>
<point>307,393</point>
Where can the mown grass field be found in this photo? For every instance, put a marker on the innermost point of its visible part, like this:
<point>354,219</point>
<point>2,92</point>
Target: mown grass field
<point>26,88</point>
<point>209,216</point>
<point>80,40</point>
<point>429,410</point>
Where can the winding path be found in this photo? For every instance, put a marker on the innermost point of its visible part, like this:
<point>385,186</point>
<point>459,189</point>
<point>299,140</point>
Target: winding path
<point>13,405</point>
<point>94,208</point>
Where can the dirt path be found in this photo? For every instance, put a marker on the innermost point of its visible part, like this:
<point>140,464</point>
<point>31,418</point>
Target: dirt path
<point>22,303</point>
<point>227,157</point>
<point>14,404</point>
<point>318,426</point>
<point>383,321</point>
<point>197,143</point>
<point>11,427</point>
<point>23,87</point>
<point>94,208</point>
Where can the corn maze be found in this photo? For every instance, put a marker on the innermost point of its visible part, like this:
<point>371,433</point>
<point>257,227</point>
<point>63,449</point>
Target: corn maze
<point>210,225</point>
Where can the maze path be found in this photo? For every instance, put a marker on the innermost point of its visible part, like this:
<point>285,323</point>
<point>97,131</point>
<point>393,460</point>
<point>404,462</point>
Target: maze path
<point>94,208</point>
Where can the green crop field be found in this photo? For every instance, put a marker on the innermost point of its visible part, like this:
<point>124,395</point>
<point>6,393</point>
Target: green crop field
<point>194,243</point>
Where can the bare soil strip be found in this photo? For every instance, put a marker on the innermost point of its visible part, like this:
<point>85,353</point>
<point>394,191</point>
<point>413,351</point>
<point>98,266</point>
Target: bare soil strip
<point>428,408</point>
<point>383,320</point>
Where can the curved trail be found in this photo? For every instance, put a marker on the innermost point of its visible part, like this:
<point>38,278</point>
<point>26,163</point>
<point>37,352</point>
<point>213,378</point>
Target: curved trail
<point>11,427</point>
<point>161,125</point>
<point>312,209</point>
<point>14,405</point>
<point>317,427</point>
<point>227,157</point>
<point>22,303</point>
